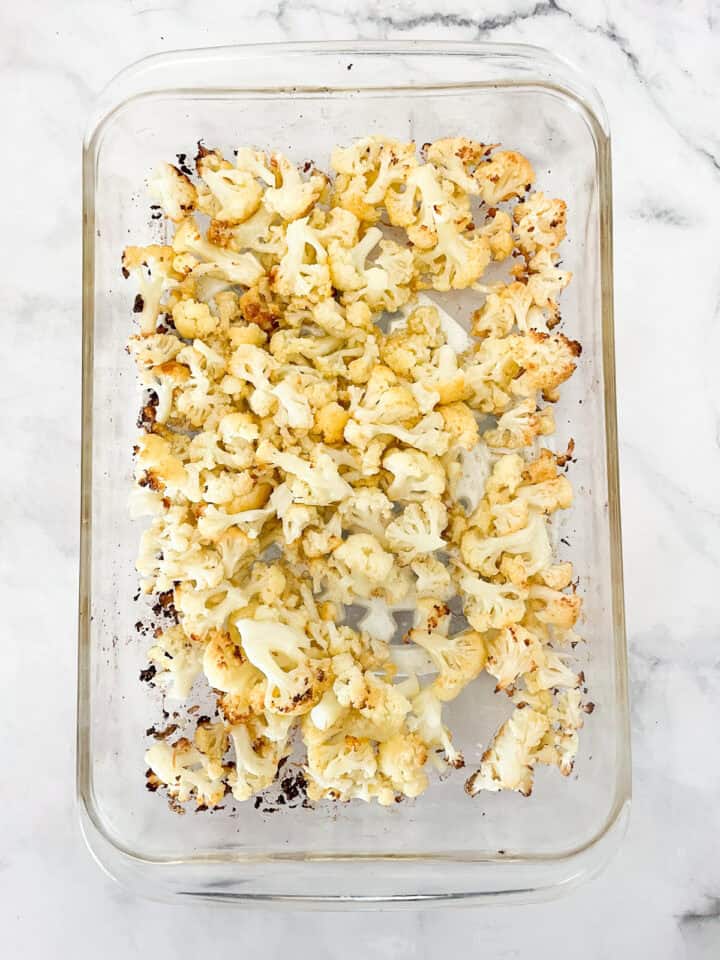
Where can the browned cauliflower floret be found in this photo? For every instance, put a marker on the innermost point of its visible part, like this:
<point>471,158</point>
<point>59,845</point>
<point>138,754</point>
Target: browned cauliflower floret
<point>174,191</point>
<point>540,223</point>
<point>233,195</point>
<point>505,175</point>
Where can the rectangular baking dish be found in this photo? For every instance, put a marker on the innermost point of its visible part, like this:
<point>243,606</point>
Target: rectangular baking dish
<point>303,99</point>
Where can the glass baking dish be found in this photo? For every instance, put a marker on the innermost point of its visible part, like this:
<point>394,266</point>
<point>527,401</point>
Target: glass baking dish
<point>303,99</point>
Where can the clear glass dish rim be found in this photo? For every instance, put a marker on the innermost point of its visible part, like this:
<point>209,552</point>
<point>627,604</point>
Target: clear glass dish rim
<point>139,81</point>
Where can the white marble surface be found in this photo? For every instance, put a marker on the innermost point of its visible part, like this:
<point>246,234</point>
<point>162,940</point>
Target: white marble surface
<point>657,65</point>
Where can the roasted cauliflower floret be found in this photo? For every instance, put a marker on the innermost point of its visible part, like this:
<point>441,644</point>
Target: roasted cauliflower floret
<point>235,194</point>
<point>187,771</point>
<point>459,659</point>
<point>505,175</point>
<point>177,660</point>
<point>418,530</point>
<point>540,223</point>
<point>174,191</point>
<point>509,762</point>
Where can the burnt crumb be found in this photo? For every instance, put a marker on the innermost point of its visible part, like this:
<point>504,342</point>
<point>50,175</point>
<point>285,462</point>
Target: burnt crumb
<point>139,304</point>
<point>282,763</point>
<point>182,164</point>
<point>165,714</point>
<point>202,151</point>
<point>201,807</point>
<point>270,810</point>
<point>165,606</point>
<point>156,214</point>
<point>176,807</point>
<point>280,801</point>
<point>161,734</point>
<point>125,272</point>
<point>137,596</point>
<point>148,673</point>
<point>501,852</point>
<point>203,719</point>
<point>258,802</point>
<point>565,541</point>
<point>148,413</point>
<point>293,788</point>
<point>349,66</point>
<point>151,781</point>
<point>307,166</point>
<point>567,457</point>
<point>139,626</point>
<point>589,707</point>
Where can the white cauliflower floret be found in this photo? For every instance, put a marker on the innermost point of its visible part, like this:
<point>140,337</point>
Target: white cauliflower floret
<point>556,608</point>
<point>256,760</point>
<point>545,281</point>
<point>342,767</point>
<point>254,365</point>
<point>427,722</point>
<point>242,268</point>
<point>459,659</point>
<point>236,193</point>
<point>381,284</point>
<point>548,495</point>
<point>303,270</point>
<point>418,530</point>
<point>433,578</point>
<point>367,510</point>
<point>154,349</point>
<point>456,260</point>
<point>178,662</point>
<point>427,435</point>
<point>401,759</point>
<point>174,191</point>
<point>201,610</point>
<point>228,670</point>
<point>318,483</point>
<point>457,158</point>
<point>540,222</point>
<point>193,319</point>
<point>425,205</point>
<point>385,400</point>
<point>295,674</point>
<point>152,270</point>
<point>186,771</point>
<point>293,402</point>
<point>507,174</point>
<point>292,197</point>
<point>519,426</point>
<point>504,308</point>
<point>509,762</point>
<point>512,652</point>
<point>366,561</point>
<point>415,475</point>
<point>489,605</point>
<point>483,553</point>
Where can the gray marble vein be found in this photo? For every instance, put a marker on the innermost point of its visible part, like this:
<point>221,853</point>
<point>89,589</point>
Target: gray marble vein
<point>657,66</point>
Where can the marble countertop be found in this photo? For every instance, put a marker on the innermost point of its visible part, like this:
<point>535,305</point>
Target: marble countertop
<point>657,66</point>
